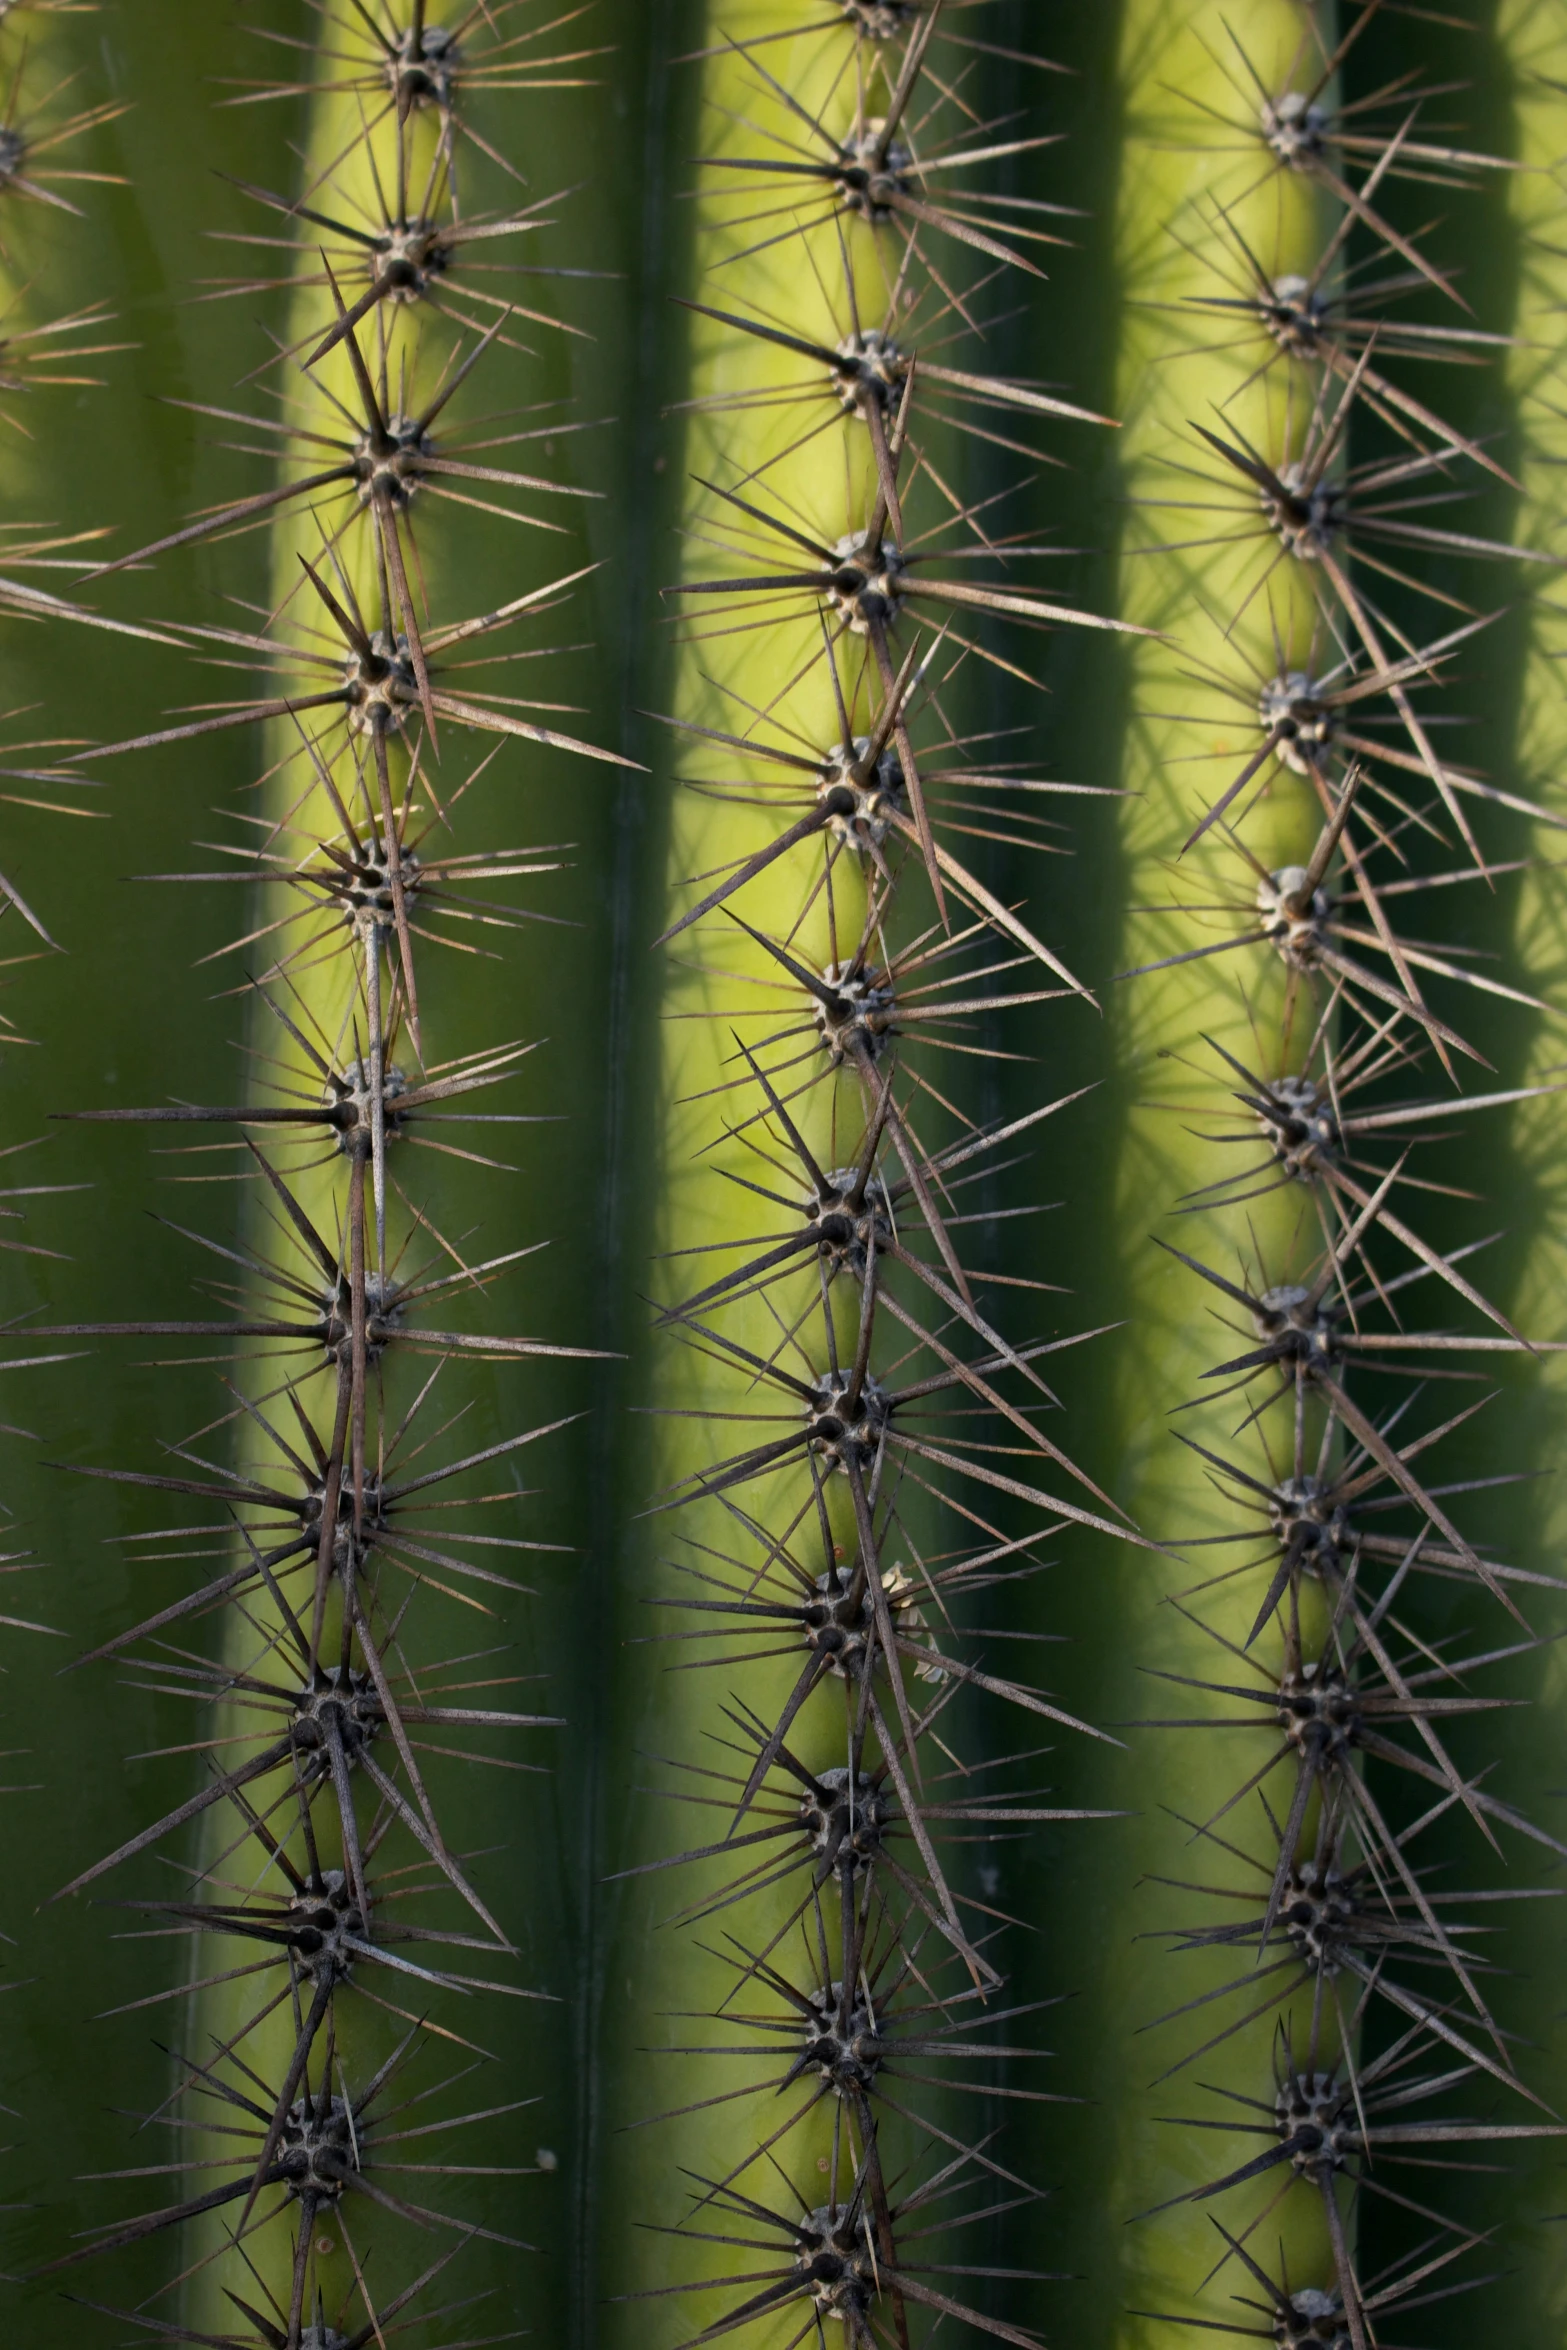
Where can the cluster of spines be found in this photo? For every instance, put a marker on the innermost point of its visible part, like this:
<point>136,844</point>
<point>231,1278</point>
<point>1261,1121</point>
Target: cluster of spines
<point>851,949</point>
<point>1328,1872</point>
<point>331,1510</point>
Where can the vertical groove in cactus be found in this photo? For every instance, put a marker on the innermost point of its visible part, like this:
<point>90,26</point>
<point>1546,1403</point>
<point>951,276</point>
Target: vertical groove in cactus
<point>833,1587</point>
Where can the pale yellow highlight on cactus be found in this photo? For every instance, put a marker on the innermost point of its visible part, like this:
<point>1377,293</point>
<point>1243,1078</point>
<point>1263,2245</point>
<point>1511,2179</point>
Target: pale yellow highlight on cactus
<point>727,668</point>
<point>328,991</point>
<point>1178,163</point>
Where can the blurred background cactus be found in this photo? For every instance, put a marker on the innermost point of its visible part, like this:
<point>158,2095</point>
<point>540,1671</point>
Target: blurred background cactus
<point>780,797</point>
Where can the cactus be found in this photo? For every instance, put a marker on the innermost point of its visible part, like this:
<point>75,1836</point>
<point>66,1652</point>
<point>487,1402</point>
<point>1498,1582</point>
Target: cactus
<point>858,700</point>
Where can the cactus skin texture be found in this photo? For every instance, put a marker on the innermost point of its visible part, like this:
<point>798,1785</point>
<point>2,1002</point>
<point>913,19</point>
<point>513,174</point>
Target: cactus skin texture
<point>810,1560</point>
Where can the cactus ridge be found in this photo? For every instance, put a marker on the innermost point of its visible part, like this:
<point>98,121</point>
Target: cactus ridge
<point>321,2136</point>
<point>865,1431</point>
<point>1329,1868</point>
